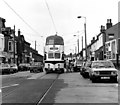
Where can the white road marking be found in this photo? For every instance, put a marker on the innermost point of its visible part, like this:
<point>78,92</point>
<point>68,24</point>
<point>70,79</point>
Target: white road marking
<point>0,90</point>
<point>9,86</point>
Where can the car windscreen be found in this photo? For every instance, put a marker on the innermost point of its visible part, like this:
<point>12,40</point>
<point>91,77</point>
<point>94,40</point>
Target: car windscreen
<point>105,64</point>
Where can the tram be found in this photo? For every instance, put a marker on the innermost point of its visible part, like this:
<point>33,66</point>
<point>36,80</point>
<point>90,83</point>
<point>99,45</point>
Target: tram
<point>54,54</point>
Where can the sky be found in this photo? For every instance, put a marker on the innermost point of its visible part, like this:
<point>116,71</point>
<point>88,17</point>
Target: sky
<point>33,18</point>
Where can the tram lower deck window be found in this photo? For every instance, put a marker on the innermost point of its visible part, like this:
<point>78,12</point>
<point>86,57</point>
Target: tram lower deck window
<point>50,55</point>
<point>57,55</point>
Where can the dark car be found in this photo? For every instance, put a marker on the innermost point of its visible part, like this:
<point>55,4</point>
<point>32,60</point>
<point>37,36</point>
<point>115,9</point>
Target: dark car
<point>36,67</point>
<point>85,69</point>
<point>24,67</point>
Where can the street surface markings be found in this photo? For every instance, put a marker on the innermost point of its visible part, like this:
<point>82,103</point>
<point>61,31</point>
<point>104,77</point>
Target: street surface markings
<point>9,86</point>
<point>97,85</point>
<point>36,76</point>
<point>0,90</point>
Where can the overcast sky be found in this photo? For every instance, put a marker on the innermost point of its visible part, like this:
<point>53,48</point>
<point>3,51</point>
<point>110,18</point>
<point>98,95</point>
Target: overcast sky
<point>64,14</point>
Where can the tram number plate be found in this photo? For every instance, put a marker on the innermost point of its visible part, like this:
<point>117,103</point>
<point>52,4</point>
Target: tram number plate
<point>105,77</point>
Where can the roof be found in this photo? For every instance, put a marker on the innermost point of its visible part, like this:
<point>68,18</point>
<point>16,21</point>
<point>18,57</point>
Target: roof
<point>54,39</point>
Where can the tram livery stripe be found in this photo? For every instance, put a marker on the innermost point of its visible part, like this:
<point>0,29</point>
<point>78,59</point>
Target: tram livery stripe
<point>54,62</point>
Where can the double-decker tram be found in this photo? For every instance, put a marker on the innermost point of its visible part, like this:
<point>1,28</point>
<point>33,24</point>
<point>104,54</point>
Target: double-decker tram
<point>54,54</point>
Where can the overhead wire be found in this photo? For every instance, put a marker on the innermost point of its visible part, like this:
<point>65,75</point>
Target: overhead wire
<point>21,18</point>
<point>51,16</point>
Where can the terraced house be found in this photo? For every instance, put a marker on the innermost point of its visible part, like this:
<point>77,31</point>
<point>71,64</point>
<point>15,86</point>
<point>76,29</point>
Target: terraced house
<point>14,48</point>
<point>107,43</point>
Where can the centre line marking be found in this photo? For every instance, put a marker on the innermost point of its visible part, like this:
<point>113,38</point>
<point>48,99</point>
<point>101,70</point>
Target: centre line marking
<point>9,86</point>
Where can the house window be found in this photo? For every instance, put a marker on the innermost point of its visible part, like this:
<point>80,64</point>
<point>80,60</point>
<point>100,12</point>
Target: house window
<point>10,46</point>
<point>111,36</point>
<point>119,46</point>
<point>113,47</point>
<point>1,44</point>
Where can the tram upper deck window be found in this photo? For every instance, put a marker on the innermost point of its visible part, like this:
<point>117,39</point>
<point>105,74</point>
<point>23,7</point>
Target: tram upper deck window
<point>50,42</point>
<point>54,40</point>
<point>50,55</point>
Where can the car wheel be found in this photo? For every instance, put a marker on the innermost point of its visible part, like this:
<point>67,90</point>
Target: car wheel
<point>115,80</point>
<point>93,80</point>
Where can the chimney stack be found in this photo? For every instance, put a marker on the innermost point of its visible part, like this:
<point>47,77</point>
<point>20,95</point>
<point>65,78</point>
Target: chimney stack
<point>102,30</point>
<point>109,23</point>
<point>18,32</point>
<point>93,40</point>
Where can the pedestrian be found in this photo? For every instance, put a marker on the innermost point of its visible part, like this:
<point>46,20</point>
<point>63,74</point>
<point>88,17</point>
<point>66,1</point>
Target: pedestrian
<point>67,65</point>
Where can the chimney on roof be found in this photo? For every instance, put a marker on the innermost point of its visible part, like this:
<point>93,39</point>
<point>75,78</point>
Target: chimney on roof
<point>109,23</point>
<point>18,32</point>
<point>93,40</point>
<point>102,30</point>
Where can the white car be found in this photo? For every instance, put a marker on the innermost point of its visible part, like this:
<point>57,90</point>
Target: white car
<point>4,68</point>
<point>13,68</point>
<point>103,70</point>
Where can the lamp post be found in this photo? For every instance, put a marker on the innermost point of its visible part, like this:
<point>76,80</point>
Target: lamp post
<point>77,42</point>
<point>85,35</point>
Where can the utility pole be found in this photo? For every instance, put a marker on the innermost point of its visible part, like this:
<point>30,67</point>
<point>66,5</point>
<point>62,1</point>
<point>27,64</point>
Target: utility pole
<point>35,44</point>
<point>85,35</point>
<point>85,39</point>
<point>78,45</point>
<point>14,43</point>
<point>82,48</point>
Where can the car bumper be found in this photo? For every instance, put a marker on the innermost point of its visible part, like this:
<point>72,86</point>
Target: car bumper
<point>104,77</point>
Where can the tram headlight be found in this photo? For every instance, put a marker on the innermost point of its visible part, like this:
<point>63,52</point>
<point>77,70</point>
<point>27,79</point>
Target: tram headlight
<point>58,65</point>
<point>48,65</point>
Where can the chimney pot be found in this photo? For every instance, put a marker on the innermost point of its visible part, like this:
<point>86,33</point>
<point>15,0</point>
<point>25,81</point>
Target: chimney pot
<point>109,23</point>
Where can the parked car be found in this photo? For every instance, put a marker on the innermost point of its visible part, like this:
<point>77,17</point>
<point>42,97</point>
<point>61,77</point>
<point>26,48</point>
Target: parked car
<point>36,67</point>
<point>103,70</point>
<point>13,68</point>
<point>4,68</point>
<point>24,67</point>
<point>85,69</point>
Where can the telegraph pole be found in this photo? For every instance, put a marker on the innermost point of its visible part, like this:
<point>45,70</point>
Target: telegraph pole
<point>14,43</point>
<point>82,48</point>
<point>78,45</point>
<point>35,44</point>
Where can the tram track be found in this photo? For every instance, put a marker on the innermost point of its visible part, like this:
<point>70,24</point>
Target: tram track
<point>47,91</point>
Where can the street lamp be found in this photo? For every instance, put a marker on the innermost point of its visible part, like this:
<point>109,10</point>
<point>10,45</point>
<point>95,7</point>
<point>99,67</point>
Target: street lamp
<point>77,43</point>
<point>85,35</point>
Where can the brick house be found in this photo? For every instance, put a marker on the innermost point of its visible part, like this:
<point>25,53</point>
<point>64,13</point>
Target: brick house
<point>113,42</point>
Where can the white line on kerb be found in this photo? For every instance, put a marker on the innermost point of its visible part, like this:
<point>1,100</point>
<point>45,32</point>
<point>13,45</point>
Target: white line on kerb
<point>9,86</point>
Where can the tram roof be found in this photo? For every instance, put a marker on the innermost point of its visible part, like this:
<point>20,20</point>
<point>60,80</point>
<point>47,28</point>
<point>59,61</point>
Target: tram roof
<point>54,39</point>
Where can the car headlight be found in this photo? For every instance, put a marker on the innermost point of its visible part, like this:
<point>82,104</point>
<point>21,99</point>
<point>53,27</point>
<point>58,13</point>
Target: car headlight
<point>114,73</point>
<point>96,72</point>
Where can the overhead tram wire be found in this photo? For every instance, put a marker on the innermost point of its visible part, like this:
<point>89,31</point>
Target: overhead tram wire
<point>51,17</point>
<point>21,18</point>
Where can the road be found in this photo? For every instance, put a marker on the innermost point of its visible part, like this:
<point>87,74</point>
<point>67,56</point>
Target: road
<point>33,88</point>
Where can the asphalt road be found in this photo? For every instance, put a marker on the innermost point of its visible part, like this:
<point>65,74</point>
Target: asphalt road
<point>25,87</point>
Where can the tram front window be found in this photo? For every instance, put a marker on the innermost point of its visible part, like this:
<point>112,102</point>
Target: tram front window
<point>57,55</point>
<point>50,55</point>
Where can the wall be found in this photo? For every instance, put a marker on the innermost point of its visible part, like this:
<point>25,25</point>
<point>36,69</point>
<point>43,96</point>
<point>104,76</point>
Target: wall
<point>1,42</point>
